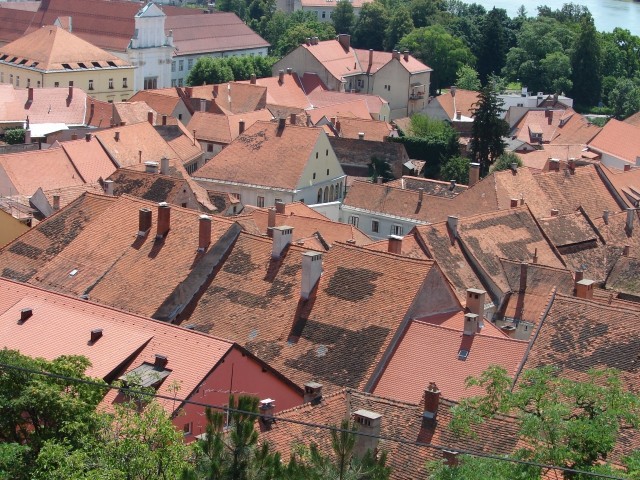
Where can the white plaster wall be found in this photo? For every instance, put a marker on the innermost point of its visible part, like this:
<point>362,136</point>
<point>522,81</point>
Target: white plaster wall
<point>385,223</point>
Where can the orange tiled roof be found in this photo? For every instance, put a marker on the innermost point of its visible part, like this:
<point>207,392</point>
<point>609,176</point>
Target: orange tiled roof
<point>372,129</point>
<point>616,235</point>
<point>89,159</point>
<point>223,129</point>
<point>322,98</point>
<point>49,105</point>
<point>410,247</point>
<point>181,141</point>
<point>380,59</point>
<point>538,160</point>
<point>565,127</point>
<point>51,48</point>
<point>623,277</point>
<point>278,157</point>
<point>354,109</point>
<point>133,112</point>
<point>157,101</point>
<point>627,184</point>
<point>619,139</point>
<point>338,336</point>
<point>463,102</point>
<point>289,93</point>
<point>439,361</point>
<point>430,186</point>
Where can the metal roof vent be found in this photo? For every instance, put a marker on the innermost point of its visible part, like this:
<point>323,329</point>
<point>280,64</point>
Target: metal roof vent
<point>25,314</point>
<point>96,334</point>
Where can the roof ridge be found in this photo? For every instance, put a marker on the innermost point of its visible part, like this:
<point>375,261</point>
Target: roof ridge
<point>596,303</point>
<point>535,265</point>
<point>423,261</point>
<point>479,335</point>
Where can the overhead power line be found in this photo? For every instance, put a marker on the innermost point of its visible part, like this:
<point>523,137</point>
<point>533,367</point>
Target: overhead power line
<point>224,408</point>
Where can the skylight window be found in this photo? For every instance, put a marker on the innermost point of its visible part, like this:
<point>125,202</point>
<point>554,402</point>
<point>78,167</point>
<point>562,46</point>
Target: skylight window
<point>82,65</point>
<point>96,64</point>
<point>66,66</point>
<point>23,61</point>
<point>111,64</point>
<point>463,354</point>
<point>4,57</point>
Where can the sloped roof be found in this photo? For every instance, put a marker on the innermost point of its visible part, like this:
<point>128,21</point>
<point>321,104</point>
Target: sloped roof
<point>214,32</point>
<point>89,159</point>
<point>430,353</point>
<point>223,129</point>
<point>619,139</point>
<point>538,160</point>
<point>61,325</point>
<point>399,420</point>
<point>52,48</point>
<point>14,22</point>
<point>626,183</point>
<point>157,101</point>
<point>322,98</point>
<point>430,186</point>
<point>410,247</point>
<point>564,127</point>
<point>49,105</point>
<point>463,102</point>
<point>356,108</point>
<point>134,112</point>
<point>615,233</point>
<point>338,336</point>
<point>277,157</point>
<point>380,59</point>
<point>372,129</point>
<point>231,97</point>
<point>624,276</point>
<point>289,93</point>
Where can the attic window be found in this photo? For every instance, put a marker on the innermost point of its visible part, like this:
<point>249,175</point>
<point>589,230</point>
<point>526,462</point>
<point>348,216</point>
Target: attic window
<point>73,272</point>
<point>96,64</point>
<point>23,61</point>
<point>82,65</point>
<point>111,64</point>
<point>146,375</point>
<point>33,65</point>
<point>66,66</point>
<point>3,57</point>
<point>463,354</point>
<point>13,59</point>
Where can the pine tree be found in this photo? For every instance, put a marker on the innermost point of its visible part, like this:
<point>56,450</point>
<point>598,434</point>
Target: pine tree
<point>585,64</point>
<point>488,129</point>
<point>492,50</point>
<point>343,17</point>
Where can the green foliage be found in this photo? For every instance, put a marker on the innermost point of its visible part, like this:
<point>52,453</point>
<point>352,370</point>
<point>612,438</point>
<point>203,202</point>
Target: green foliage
<point>380,168</point>
<point>619,54</point>
<point>400,25</point>
<point>624,99</point>
<point>556,67</point>
<point>209,70</point>
<point>568,14</point>
<point>456,168</point>
<point>562,422</point>
<point>504,161</point>
<point>425,12</point>
<point>488,129</point>
<point>14,136</point>
<point>467,78</point>
<point>492,48</point>
<point>585,63</point>
<point>343,17</point>
<point>370,26</point>
<point>475,468</point>
<point>287,31</point>
<point>437,48</point>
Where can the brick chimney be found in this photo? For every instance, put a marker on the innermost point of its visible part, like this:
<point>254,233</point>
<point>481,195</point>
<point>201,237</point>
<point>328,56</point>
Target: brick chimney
<point>405,55</point>
<point>271,221</point>
<point>631,212</point>
<point>215,91</point>
<point>241,127</point>
<point>627,167</point>
<point>164,119</point>
<point>164,166</point>
<point>151,167</point>
<point>395,244</point>
<point>204,232</point>
<point>252,80</point>
<point>150,117</point>
<point>337,125</point>
<point>87,137</point>
<point>56,202</point>
<point>311,272</point>
<point>474,173</point>
<point>471,323</point>
<point>96,334</point>
<point>74,136</point>
<point>281,238</point>
<point>160,360</point>
<point>164,220</point>
<point>452,223</point>
<point>369,424</point>
<point>25,314</point>
<point>108,187</point>
<point>281,77</point>
<point>188,91</point>
<point>513,203</point>
<point>312,392</point>
<point>431,402</point>
<point>554,165</point>
<point>475,301</point>
<point>280,207</point>
<point>584,289</point>
<point>70,95</point>
<point>144,221</point>
<point>395,54</point>
<point>524,267</point>
<point>344,40</point>
<point>282,122</point>
<point>290,70</point>
<point>30,94</point>
<point>267,408</point>
<point>571,165</point>
<point>294,119</point>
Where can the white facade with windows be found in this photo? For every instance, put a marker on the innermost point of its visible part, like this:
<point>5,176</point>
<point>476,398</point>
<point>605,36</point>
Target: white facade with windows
<point>375,224</point>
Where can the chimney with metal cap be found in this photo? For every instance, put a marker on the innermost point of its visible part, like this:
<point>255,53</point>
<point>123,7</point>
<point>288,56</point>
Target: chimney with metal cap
<point>204,233</point>
<point>395,244</point>
<point>431,402</point>
<point>311,272</point>
<point>164,220</point>
<point>144,221</point>
<point>474,173</point>
<point>96,334</point>
<point>56,202</point>
<point>267,408</point>
<point>108,187</point>
<point>151,167</point>
<point>450,458</point>
<point>281,238</point>
<point>164,166</point>
<point>289,71</point>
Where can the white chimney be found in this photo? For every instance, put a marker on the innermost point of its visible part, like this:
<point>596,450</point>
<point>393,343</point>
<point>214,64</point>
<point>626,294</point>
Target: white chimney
<point>311,272</point>
<point>470,324</point>
<point>368,423</point>
<point>312,392</point>
<point>151,167</point>
<point>108,187</point>
<point>475,301</point>
<point>281,238</point>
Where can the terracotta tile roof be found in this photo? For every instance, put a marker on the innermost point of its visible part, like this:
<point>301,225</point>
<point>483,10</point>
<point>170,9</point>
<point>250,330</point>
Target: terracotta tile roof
<point>327,232</point>
<point>134,112</point>
<point>158,102</point>
<point>181,141</point>
<point>568,230</point>
<point>633,119</point>
<point>627,184</point>
<point>411,246</point>
<point>619,139</point>
<point>278,156</point>
<point>430,186</point>
<point>89,159</point>
<point>538,160</point>
<point>314,339</point>
<point>567,191</point>
<point>14,22</point>
<point>616,235</point>
<point>380,59</point>
<point>372,129</point>
<point>61,325</point>
<point>70,194</point>
<point>231,97</point>
<point>312,82</point>
<point>49,105</point>
<point>31,170</point>
<point>51,48</point>
<point>564,127</point>
<point>436,350</point>
<point>223,129</point>
<point>289,93</point>
<point>463,102</point>
<point>356,109</point>
<point>399,420</point>
<point>215,32</point>
<point>355,155</point>
<point>97,112</point>
<point>623,277</point>
<point>323,97</point>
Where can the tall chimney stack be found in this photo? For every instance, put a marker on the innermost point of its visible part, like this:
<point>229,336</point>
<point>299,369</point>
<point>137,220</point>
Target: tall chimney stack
<point>431,401</point>
<point>241,127</point>
<point>280,207</point>
<point>164,220</point>
<point>164,166</point>
<point>584,289</point>
<point>281,238</point>
<point>369,424</point>
<point>452,223</point>
<point>631,212</point>
<point>56,202</point>
<point>474,173</point>
<point>471,323</point>
<point>271,221</point>
<point>150,117</point>
<point>311,272</point>
<point>204,233</point>
<point>395,244</point>
<point>475,301</point>
<point>252,80</point>
<point>144,221</point>
<point>108,187</point>
<point>281,77</point>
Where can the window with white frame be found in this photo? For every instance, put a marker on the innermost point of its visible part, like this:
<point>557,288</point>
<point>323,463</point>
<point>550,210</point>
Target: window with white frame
<point>397,230</point>
<point>353,220</point>
<point>260,202</point>
<point>375,226</point>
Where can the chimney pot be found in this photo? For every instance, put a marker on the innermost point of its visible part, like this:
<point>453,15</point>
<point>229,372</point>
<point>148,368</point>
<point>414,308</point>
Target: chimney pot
<point>311,272</point>
<point>30,98</point>
<point>280,207</point>
<point>144,221</point>
<point>56,202</point>
<point>116,136</point>
<point>584,289</point>
<point>625,250</point>
<point>96,334</point>
<point>514,202</point>
<point>281,238</point>
<point>554,212</point>
<point>474,173</point>
<point>361,135</point>
<point>252,81</point>
<point>282,122</point>
<point>87,137</point>
<point>164,220</point>
<point>471,321</point>
<point>204,235</point>
<point>395,244</point>
<point>70,92</point>
<point>108,187</point>
<point>475,301</point>
<point>452,223</point>
<point>26,314</point>
<point>241,127</point>
<point>605,217</point>
<point>281,77</point>
<point>150,117</point>
<point>431,401</point>
<point>312,392</point>
<point>271,221</point>
<point>406,55</point>
<point>164,166</point>
<point>160,360</point>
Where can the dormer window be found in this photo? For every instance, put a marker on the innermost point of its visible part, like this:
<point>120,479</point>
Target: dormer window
<point>147,374</point>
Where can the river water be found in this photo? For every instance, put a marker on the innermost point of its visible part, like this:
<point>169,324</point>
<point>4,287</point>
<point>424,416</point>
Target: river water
<point>607,14</point>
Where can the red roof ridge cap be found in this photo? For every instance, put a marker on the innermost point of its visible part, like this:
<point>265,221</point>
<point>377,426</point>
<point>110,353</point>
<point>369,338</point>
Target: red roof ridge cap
<point>535,265</point>
<point>479,335</point>
<point>362,248</point>
<point>595,303</point>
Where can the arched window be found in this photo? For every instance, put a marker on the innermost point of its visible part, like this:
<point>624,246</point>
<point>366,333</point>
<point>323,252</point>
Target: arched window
<point>331,194</point>
<point>319,196</point>
<point>326,194</point>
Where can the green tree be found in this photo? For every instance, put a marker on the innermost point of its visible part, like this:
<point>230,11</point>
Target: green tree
<point>14,136</point>
<point>556,71</point>
<point>492,49</point>
<point>504,162</point>
<point>370,27</point>
<point>400,25</point>
<point>619,54</point>
<point>456,168</point>
<point>572,424</point>
<point>624,98</point>
<point>380,168</point>
<point>424,12</point>
<point>467,78</point>
<point>437,48</point>
<point>208,70</point>
<point>343,17</point>
<point>297,33</point>
<point>488,129</point>
<point>585,63</point>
